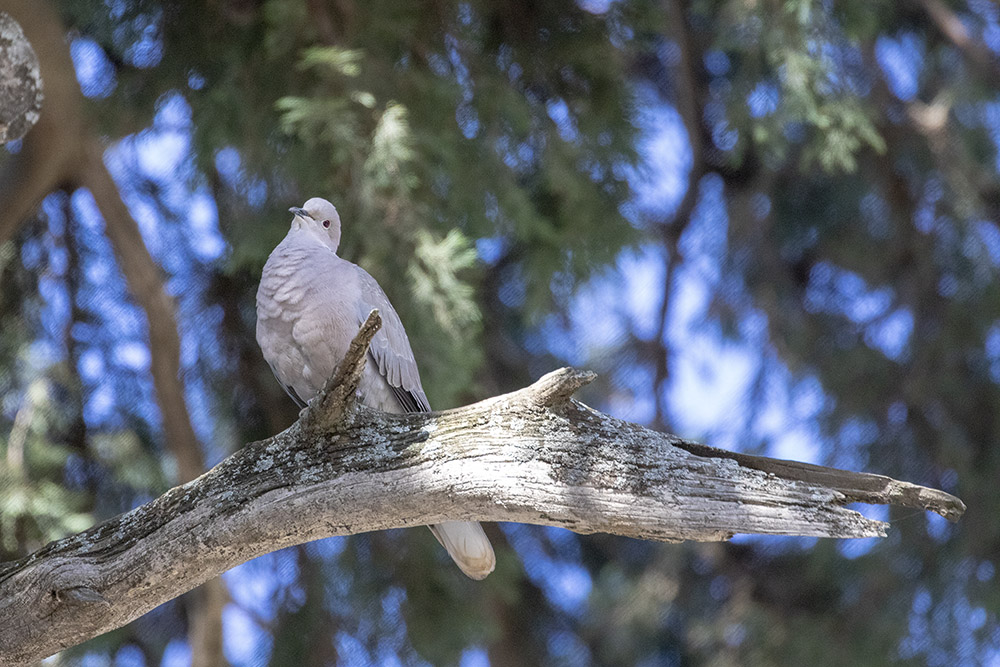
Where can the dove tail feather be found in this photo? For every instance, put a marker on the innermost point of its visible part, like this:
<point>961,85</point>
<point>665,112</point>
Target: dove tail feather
<point>468,546</point>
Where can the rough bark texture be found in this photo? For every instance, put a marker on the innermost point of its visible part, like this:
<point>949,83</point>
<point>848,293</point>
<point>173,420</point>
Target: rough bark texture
<point>533,456</point>
<point>20,82</point>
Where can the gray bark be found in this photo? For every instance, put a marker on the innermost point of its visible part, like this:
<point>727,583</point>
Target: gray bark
<point>20,82</point>
<point>533,456</point>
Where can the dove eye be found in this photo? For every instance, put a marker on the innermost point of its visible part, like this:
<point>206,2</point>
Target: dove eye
<point>326,224</point>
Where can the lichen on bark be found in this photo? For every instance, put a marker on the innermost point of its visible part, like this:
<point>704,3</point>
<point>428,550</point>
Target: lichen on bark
<point>20,82</point>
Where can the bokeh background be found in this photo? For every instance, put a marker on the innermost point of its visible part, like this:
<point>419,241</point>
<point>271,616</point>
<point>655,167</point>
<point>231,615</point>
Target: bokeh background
<point>770,225</point>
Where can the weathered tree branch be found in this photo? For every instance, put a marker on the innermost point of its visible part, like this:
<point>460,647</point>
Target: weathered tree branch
<point>20,81</point>
<point>533,456</point>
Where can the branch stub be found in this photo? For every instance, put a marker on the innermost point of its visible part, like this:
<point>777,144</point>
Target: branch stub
<point>337,400</point>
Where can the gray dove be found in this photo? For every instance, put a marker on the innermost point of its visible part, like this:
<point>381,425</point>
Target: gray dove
<point>310,304</point>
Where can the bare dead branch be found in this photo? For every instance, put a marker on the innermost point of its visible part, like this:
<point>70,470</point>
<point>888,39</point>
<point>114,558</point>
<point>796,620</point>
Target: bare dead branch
<point>533,456</point>
<point>861,487</point>
<point>337,399</point>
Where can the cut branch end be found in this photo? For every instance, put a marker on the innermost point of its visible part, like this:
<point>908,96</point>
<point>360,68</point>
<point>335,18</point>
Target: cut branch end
<point>556,387</point>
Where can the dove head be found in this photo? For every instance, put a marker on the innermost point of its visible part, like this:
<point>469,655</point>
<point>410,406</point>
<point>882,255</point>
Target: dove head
<point>319,218</point>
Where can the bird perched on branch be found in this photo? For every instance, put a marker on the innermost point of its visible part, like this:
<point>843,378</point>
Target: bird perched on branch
<point>310,304</point>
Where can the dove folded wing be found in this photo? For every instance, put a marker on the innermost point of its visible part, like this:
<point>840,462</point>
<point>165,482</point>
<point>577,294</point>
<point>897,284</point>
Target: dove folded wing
<point>390,348</point>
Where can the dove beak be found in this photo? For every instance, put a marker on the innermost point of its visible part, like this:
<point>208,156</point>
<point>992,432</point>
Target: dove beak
<point>299,211</point>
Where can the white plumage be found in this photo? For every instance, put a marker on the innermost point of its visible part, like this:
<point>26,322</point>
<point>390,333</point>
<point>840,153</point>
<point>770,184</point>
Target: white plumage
<point>310,304</point>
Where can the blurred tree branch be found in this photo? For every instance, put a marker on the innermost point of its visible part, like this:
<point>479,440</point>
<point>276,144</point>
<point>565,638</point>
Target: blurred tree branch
<point>64,152</point>
<point>955,31</point>
<point>535,456</point>
<point>687,93</point>
<point>145,281</point>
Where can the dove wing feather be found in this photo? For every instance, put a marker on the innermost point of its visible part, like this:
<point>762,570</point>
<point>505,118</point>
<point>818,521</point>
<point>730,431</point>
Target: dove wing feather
<point>390,348</point>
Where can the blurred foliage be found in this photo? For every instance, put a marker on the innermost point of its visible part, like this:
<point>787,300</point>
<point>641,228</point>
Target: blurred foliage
<point>845,238</point>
